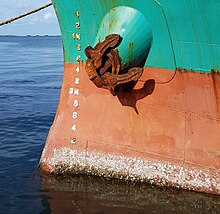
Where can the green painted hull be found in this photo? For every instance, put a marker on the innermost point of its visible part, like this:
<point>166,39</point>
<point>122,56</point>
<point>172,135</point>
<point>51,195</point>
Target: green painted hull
<point>185,33</point>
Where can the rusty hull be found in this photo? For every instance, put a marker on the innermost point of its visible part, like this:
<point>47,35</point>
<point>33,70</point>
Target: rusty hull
<point>165,131</point>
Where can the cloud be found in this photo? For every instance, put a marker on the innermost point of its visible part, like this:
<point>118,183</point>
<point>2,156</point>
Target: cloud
<point>9,7</point>
<point>48,16</point>
<point>42,22</point>
<point>32,21</point>
<point>21,6</point>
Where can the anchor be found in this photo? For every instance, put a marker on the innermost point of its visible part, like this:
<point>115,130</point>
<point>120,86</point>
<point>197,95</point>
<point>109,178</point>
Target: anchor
<point>103,65</point>
<point>120,50</point>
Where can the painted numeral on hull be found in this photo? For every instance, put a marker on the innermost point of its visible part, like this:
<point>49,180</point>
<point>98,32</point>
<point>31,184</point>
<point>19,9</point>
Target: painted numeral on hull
<point>75,115</point>
<point>75,91</point>
<point>77,69</point>
<point>75,103</point>
<point>74,128</point>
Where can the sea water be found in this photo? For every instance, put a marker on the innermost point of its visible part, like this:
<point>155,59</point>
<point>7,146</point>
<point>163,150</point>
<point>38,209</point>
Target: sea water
<point>31,71</point>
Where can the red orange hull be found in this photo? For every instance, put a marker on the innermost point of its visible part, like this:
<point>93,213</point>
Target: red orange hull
<point>166,131</point>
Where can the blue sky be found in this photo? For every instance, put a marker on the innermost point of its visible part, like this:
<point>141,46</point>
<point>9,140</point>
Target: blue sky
<point>41,23</point>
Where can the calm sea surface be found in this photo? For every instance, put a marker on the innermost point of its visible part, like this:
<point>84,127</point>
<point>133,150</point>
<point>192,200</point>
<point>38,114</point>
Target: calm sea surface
<point>31,70</point>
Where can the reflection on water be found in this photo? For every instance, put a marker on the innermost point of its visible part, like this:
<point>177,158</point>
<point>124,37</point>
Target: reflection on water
<point>94,195</point>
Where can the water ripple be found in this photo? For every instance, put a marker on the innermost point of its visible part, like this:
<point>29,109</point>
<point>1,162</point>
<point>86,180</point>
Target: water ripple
<point>29,91</point>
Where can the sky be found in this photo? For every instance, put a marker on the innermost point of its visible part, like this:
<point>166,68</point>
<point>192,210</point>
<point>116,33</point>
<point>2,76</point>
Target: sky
<point>40,23</point>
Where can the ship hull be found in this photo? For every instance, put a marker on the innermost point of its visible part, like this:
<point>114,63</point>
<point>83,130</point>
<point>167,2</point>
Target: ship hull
<point>165,131</point>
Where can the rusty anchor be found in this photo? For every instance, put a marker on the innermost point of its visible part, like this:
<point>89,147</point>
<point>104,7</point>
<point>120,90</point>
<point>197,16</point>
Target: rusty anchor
<point>103,65</point>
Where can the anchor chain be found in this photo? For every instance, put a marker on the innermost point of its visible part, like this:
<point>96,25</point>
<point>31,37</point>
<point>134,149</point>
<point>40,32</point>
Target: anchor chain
<point>25,14</point>
<point>103,65</point>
